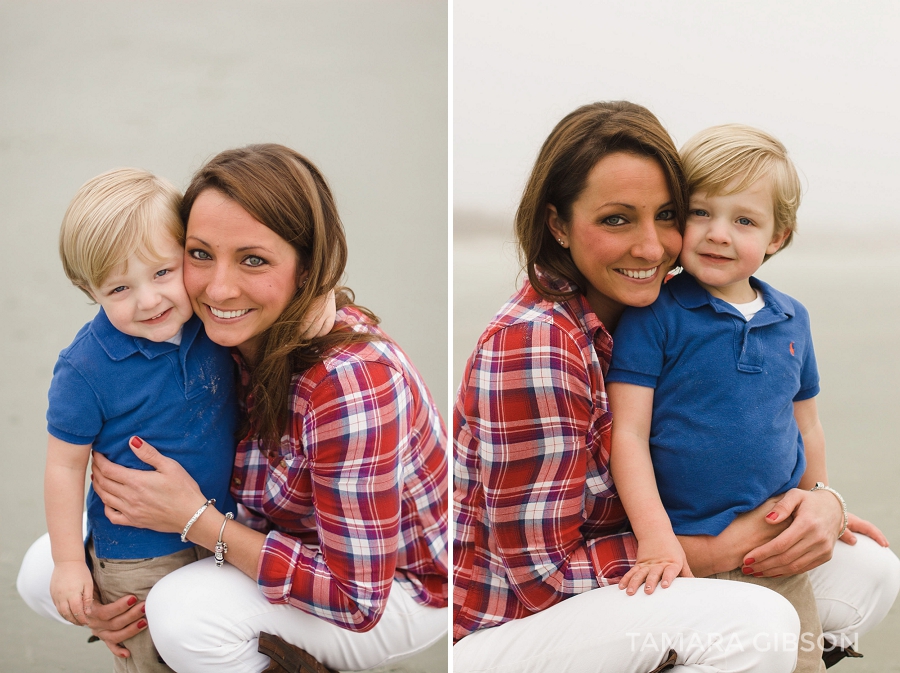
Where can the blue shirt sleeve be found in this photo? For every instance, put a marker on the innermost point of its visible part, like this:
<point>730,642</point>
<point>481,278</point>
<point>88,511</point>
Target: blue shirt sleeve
<point>809,371</point>
<point>638,348</point>
<point>74,413</point>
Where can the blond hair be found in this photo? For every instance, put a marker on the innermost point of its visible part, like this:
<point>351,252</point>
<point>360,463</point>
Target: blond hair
<point>727,159</point>
<point>112,217</point>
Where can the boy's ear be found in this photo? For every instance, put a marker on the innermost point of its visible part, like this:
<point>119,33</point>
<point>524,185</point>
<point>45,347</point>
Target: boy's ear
<point>556,227</point>
<point>777,241</point>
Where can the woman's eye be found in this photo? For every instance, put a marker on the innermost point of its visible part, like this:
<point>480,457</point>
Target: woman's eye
<point>253,260</point>
<point>614,220</point>
<point>199,254</point>
<point>744,221</point>
<point>666,215</point>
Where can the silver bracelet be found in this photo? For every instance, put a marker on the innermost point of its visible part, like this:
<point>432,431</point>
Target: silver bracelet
<point>222,547</point>
<point>822,487</point>
<point>194,518</point>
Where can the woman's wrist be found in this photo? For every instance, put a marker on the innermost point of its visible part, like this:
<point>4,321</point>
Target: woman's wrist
<point>845,517</point>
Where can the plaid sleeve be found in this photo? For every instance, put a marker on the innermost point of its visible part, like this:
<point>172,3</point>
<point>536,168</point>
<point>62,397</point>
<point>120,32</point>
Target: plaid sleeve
<point>351,431</point>
<point>529,405</point>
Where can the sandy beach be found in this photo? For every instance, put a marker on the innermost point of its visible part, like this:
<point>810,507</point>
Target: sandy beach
<point>360,88</point>
<point>848,285</point>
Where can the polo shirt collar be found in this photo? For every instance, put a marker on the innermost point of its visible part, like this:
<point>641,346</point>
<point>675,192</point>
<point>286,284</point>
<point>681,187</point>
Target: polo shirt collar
<point>119,345</point>
<point>688,293</point>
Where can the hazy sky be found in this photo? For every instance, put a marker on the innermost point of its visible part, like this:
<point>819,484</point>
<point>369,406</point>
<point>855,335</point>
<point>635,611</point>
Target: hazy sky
<point>823,76</point>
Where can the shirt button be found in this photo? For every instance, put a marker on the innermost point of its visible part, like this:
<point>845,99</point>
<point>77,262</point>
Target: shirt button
<point>283,463</point>
<point>237,481</point>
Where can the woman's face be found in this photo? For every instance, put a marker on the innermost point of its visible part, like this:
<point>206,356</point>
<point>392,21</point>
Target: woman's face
<point>623,233</point>
<point>239,274</point>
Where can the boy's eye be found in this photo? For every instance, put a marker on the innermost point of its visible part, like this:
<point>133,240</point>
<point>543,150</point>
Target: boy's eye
<point>116,290</point>
<point>254,261</point>
<point>199,254</point>
<point>614,220</point>
<point>744,221</point>
<point>699,212</point>
<point>161,273</point>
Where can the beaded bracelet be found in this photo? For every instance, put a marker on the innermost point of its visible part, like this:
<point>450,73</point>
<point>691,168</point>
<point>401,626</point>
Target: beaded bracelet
<point>195,517</point>
<point>221,546</point>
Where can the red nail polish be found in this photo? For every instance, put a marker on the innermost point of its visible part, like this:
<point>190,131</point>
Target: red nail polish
<point>144,609</point>
<point>749,561</point>
<point>142,623</point>
<point>771,516</point>
<point>136,442</point>
<point>747,571</point>
<point>132,600</point>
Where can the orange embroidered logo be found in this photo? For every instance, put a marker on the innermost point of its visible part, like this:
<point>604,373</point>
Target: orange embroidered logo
<point>792,348</point>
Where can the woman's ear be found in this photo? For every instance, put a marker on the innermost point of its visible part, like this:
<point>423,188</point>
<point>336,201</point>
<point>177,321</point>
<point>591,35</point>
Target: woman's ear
<point>557,226</point>
<point>302,277</point>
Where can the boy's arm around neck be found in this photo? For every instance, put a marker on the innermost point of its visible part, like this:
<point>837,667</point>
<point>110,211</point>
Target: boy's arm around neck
<point>71,585</point>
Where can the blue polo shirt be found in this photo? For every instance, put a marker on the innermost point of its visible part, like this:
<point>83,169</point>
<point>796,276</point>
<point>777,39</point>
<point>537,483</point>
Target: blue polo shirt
<point>723,437</point>
<point>108,386</point>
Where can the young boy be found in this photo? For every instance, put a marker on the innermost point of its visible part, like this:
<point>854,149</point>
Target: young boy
<point>713,386</point>
<point>143,366</point>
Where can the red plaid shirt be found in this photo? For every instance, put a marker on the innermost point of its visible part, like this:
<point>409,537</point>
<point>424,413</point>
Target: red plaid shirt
<point>537,519</point>
<point>355,497</point>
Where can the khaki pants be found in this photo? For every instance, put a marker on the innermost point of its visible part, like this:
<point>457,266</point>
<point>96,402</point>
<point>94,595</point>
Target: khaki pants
<point>122,577</point>
<point>798,590</point>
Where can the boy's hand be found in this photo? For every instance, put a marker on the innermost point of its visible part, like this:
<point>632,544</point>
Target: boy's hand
<point>863,527</point>
<point>72,590</point>
<point>319,320</point>
<point>660,560</point>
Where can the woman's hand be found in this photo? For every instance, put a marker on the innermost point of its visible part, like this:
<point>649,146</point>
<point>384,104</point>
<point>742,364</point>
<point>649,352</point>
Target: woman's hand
<point>162,499</point>
<point>808,541</point>
<point>863,527</point>
<point>659,561</point>
<point>116,622</point>
<point>709,554</point>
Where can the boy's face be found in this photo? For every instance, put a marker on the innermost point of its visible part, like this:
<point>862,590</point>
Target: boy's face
<point>148,299</point>
<point>727,238</point>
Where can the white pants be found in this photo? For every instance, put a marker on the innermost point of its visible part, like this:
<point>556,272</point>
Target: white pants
<point>204,618</point>
<point>713,625</point>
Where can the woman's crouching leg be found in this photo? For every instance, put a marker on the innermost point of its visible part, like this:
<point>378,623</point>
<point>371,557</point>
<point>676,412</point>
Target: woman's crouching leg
<point>204,618</point>
<point>855,590</point>
<point>711,625</point>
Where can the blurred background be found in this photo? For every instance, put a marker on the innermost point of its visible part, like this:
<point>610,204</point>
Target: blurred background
<point>358,87</point>
<point>821,76</point>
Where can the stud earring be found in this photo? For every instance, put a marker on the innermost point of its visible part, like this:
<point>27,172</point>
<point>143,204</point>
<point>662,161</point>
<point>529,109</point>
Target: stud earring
<point>561,242</point>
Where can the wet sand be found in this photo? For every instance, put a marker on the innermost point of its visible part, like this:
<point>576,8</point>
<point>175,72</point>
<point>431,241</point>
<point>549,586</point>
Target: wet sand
<point>848,283</point>
<point>359,87</point>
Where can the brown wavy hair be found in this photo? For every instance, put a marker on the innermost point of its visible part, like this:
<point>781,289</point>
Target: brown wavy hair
<point>285,191</point>
<point>573,148</point>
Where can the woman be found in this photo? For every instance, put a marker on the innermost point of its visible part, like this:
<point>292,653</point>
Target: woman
<point>339,544</point>
<point>540,536</point>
